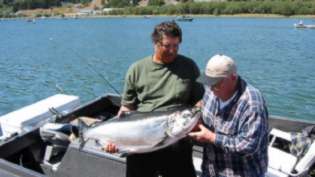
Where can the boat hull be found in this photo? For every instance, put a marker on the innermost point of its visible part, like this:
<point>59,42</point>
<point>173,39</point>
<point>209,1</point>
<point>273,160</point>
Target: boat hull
<point>86,161</point>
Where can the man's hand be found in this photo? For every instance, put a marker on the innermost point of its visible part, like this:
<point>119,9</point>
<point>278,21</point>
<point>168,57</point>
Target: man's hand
<point>203,135</point>
<point>199,104</point>
<point>110,148</point>
<point>123,109</point>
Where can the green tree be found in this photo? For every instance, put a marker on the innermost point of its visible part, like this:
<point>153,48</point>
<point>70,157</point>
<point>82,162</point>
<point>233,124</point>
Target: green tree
<point>118,3</point>
<point>134,2</point>
<point>156,2</point>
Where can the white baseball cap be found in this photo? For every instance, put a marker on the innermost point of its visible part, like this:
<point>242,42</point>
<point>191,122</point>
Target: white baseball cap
<point>218,67</point>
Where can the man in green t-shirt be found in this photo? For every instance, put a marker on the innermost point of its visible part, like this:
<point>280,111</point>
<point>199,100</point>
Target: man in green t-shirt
<point>163,81</point>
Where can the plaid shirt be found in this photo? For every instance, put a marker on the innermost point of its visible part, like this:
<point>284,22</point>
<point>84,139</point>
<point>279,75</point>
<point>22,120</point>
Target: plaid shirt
<point>241,128</point>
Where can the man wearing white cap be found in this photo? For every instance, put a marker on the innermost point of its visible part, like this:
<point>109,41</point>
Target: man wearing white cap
<point>235,123</point>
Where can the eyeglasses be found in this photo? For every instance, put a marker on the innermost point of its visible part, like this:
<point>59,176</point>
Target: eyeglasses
<point>169,46</point>
<point>217,85</point>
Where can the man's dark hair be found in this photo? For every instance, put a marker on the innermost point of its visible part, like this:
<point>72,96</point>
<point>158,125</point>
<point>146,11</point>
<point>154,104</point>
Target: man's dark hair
<point>168,28</point>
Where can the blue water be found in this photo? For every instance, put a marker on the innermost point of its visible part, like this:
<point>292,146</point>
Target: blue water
<point>40,59</point>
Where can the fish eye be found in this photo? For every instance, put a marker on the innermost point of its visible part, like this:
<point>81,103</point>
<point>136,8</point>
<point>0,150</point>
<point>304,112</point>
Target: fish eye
<point>186,114</point>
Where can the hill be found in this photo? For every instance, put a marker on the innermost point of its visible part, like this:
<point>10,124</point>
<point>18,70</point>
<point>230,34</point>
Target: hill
<point>74,8</point>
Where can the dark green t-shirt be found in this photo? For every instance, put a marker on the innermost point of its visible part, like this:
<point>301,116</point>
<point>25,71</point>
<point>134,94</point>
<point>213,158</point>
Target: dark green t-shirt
<point>151,86</point>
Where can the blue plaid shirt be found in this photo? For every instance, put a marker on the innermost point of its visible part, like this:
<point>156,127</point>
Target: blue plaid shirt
<point>241,128</point>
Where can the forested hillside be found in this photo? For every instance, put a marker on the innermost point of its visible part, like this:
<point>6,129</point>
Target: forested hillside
<point>9,8</point>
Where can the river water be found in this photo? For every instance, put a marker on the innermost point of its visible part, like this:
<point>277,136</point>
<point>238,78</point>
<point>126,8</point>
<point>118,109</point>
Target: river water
<point>42,58</point>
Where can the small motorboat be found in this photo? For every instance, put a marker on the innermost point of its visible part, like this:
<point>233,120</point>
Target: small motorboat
<point>302,25</point>
<point>31,20</point>
<point>184,18</point>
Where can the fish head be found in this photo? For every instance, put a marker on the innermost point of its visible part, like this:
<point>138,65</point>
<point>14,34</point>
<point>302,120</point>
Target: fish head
<point>182,122</point>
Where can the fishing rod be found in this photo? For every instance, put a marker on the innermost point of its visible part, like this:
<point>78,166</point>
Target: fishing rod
<point>61,90</point>
<point>90,67</point>
<point>103,77</point>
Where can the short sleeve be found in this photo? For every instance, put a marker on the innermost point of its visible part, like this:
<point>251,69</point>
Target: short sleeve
<point>129,96</point>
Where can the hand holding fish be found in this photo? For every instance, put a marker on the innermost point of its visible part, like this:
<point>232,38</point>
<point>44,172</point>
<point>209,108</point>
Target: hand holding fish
<point>123,110</point>
<point>110,148</point>
<point>203,135</point>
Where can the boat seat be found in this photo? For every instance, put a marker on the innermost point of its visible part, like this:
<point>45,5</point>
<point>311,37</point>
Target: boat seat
<point>57,134</point>
<point>284,164</point>
<point>307,160</point>
<point>281,163</point>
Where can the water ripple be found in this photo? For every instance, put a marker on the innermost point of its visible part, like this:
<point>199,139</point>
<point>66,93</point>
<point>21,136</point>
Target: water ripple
<point>38,60</point>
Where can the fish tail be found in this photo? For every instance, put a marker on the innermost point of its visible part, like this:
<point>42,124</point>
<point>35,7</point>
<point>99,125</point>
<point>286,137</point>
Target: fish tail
<point>82,127</point>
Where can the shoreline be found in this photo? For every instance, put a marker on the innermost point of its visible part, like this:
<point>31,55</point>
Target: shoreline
<point>210,15</point>
<point>156,16</point>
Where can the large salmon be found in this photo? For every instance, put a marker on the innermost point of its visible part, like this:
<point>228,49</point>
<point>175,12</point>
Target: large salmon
<point>144,132</point>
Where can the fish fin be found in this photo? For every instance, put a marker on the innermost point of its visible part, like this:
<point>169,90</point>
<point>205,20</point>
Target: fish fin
<point>166,136</point>
<point>82,127</point>
<point>162,142</point>
<point>168,133</point>
<point>98,143</point>
<point>122,154</point>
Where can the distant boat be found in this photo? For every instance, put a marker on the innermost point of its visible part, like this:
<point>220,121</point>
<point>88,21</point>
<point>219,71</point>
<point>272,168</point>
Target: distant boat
<point>184,18</point>
<point>302,25</point>
<point>31,20</point>
<point>147,16</point>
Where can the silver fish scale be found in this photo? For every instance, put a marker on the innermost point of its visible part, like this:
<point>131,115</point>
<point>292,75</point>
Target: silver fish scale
<point>144,135</point>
